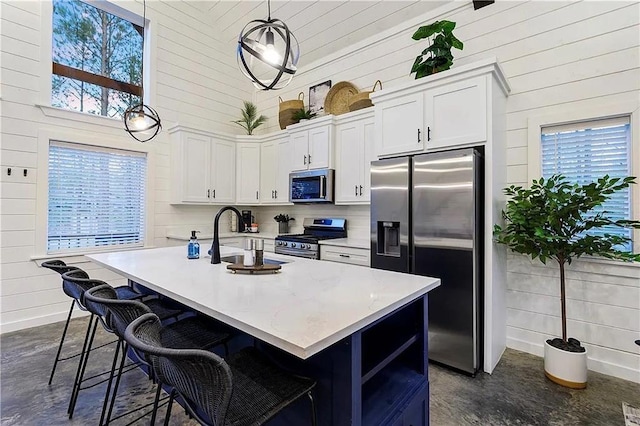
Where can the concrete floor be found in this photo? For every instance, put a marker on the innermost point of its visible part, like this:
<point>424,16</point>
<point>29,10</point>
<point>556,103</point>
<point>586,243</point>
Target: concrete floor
<point>516,394</point>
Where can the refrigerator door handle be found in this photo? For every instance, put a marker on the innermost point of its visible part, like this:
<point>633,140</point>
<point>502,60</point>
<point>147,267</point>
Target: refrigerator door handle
<point>453,243</point>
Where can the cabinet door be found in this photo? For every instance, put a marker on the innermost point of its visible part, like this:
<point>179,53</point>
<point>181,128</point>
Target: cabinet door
<point>223,162</point>
<point>300,148</point>
<point>349,144</point>
<point>196,178</point>
<point>284,157</point>
<point>268,172</point>
<point>399,125</point>
<point>456,114</point>
<point>248,173</point>
<point>368,130</point>
<point>319,148</point>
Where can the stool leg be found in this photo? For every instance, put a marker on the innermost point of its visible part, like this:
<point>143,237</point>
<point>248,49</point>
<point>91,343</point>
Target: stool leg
<point>111,374</point>
<point>74,396</point>
<point>168,415</point>
<point>83,353</point>
<point>64,333</point>
<point>125,348</point>
<point>155,405</point>
<point>314,420</point>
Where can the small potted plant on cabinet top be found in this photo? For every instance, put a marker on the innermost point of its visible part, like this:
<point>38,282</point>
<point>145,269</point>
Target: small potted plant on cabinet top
<point>550,221</point>
<point>250,119</point>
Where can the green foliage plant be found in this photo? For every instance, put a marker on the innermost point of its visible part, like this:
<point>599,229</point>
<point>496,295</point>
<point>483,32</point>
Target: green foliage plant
<point>303,114</point>
<point>549,221</point>
<point>437,57</point>
<point>250,120</point>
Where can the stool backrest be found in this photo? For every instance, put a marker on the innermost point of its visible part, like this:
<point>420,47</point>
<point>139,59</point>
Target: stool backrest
<point>76,282</point>
<point>201,378</point>
<point>118,313</point>
<point>58,265</point>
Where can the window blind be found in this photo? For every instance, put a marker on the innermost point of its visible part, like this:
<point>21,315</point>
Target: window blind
<point>96,197</point>
<point>584,152</point>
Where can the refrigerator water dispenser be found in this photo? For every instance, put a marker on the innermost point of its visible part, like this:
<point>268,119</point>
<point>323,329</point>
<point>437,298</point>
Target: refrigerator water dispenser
<point>389,238</point>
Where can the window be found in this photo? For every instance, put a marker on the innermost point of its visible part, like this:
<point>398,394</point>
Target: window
<point>96,198</point>
<point>97,58</point>
<point>586,151</point>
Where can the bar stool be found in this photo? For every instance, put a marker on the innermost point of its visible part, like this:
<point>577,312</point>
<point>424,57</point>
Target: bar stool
<point>189,332</point>
<point>244,390</point>
<point>79,284</point>
<point>61,267</point>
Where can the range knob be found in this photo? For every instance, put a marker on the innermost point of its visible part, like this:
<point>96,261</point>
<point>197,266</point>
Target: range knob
<point>293,245</point>
<point>279,243</point>
<point>286,243</point>
<point>308,246</point>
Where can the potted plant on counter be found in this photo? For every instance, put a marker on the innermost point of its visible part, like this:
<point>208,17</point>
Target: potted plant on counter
<point>283,223</point>
<point>551,220</point>
<point>303,115</point>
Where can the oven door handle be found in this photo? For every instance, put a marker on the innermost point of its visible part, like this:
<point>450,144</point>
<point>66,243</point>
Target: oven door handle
<point>323,182</point>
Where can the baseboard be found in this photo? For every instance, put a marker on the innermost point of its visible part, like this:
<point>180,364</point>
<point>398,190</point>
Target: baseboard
<point>38,321</point>
<point>597,365</point>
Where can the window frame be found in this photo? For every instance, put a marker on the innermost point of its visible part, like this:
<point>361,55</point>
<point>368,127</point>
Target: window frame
<point>133,15</point>
<point>572,116</point>
<point>45,137</point>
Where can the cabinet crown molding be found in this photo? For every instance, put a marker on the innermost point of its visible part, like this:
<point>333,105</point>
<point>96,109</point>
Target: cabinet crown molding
<point>482,67</point>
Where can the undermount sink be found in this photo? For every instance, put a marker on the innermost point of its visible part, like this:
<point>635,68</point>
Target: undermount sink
<point>238,258</point>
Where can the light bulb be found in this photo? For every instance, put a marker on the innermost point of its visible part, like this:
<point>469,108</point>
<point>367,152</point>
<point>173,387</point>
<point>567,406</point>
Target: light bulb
<point>138,122</point>
<point>271,55</point>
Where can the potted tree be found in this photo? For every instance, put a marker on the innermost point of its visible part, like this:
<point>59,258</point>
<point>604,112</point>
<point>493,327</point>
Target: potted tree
<point>549,221</point>
<point>250,119</point>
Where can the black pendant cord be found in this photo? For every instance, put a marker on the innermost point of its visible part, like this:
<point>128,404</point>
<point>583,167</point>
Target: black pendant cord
<point>269,10</point>
<point>144,26</point>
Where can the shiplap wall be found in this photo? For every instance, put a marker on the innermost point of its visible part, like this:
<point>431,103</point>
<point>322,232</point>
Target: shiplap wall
<point>195,82</point>
<point>556,56</point>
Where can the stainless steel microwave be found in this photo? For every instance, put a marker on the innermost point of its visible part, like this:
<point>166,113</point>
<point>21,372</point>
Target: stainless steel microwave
<point>313,186</point>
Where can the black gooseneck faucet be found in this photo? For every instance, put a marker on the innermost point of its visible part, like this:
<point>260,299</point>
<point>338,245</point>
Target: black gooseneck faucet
<point>215,246</point>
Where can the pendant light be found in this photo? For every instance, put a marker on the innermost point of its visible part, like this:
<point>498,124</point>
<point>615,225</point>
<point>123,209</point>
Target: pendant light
<point>268,52</point>
<point>141,121</point>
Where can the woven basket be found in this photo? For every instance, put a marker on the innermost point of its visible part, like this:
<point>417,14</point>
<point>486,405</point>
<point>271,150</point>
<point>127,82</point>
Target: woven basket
<point>288,109</point>
<point>361,100</point>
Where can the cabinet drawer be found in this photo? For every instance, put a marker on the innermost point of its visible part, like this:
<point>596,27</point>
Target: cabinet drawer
<point>354,256</point>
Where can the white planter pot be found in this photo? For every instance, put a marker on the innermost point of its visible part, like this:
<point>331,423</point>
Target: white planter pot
<point>568,369</point>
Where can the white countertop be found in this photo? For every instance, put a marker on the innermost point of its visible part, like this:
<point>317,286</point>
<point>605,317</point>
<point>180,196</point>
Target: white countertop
<point>347,242</point>
<point>304,309</point>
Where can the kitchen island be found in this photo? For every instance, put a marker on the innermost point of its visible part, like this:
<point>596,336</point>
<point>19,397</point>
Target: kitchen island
<point>360,332</point>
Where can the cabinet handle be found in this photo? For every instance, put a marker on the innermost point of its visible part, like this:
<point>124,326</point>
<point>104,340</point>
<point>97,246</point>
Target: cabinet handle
<point>428,133</point>
<point>256,195</point>
<point>356,186</point>
<point>360,189</point>
<point>208,193</point>
<point>305,160</point>
<point>309,158</point>
<point>276,192</point>
<point>214,193</point>
<point>345,255</point>
<point>418,135</point>
<point>272,194</point>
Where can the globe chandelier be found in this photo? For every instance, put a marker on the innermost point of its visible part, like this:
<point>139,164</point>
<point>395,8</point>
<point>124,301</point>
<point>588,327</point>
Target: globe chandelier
<point>141,121</point>
<point>268,53</point>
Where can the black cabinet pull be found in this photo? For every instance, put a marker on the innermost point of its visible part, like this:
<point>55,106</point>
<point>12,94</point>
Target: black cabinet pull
<point>418,135</point>
<point>272,195</point>
<point>214,193</point>
<point>428,133</point>
<point>256,195</point>
<point>305,160</point>
<point>276,192</point>
<point>208,193</point>
<point>356,186</point>
<point>309,158</point>
<point>360,189</point>
<point>344,255</point>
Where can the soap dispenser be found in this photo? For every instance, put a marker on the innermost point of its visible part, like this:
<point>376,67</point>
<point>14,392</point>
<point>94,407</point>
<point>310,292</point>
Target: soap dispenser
<point>193,248</point>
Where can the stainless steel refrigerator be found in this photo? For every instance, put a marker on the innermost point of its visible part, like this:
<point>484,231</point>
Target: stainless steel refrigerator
<point>426,219</point>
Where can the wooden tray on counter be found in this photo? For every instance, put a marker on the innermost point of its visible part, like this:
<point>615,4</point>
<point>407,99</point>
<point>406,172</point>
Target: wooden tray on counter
<point>264,269</point>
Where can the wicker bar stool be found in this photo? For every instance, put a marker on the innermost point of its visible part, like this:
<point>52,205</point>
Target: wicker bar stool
<point>245,389</point>
<point>190,332</point>
<point>78,283</point>
<point>61,267</point>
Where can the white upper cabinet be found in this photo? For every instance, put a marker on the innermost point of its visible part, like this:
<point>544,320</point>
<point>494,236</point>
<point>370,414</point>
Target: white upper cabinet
<point>275,165</point>
<point>202,167</point>
<point>248,173</point>
<point>312,144</point>
<point>399,125</point>
<point>354,148</point>
<point>447,110</point>
<point>456,114</point>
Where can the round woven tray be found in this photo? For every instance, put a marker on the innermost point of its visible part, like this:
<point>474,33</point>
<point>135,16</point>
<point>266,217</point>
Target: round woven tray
<point>337,100</point>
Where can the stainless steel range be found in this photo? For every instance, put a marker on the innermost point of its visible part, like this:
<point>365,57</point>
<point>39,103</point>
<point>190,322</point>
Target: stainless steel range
<point>306,245</point>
